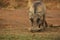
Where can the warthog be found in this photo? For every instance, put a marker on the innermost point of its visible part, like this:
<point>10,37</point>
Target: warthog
<point>37,13</point>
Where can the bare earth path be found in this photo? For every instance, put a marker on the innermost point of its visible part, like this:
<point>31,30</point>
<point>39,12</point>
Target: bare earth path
<point>16,21</point>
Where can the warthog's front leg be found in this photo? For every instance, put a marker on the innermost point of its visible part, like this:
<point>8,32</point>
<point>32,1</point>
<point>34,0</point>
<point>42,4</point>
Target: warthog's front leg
<point>44,24</point>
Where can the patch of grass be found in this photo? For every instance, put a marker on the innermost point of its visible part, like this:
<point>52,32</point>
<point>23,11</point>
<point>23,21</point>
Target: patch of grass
<point>30,37</point>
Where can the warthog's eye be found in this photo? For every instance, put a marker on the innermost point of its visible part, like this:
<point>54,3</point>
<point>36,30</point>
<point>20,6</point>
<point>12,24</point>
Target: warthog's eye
<point>38,20</point>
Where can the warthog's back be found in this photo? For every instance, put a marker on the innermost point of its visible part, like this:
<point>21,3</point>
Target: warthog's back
<point>37,8</point>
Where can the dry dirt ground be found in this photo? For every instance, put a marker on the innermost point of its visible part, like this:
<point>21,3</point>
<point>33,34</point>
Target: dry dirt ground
<point>17,21</point>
